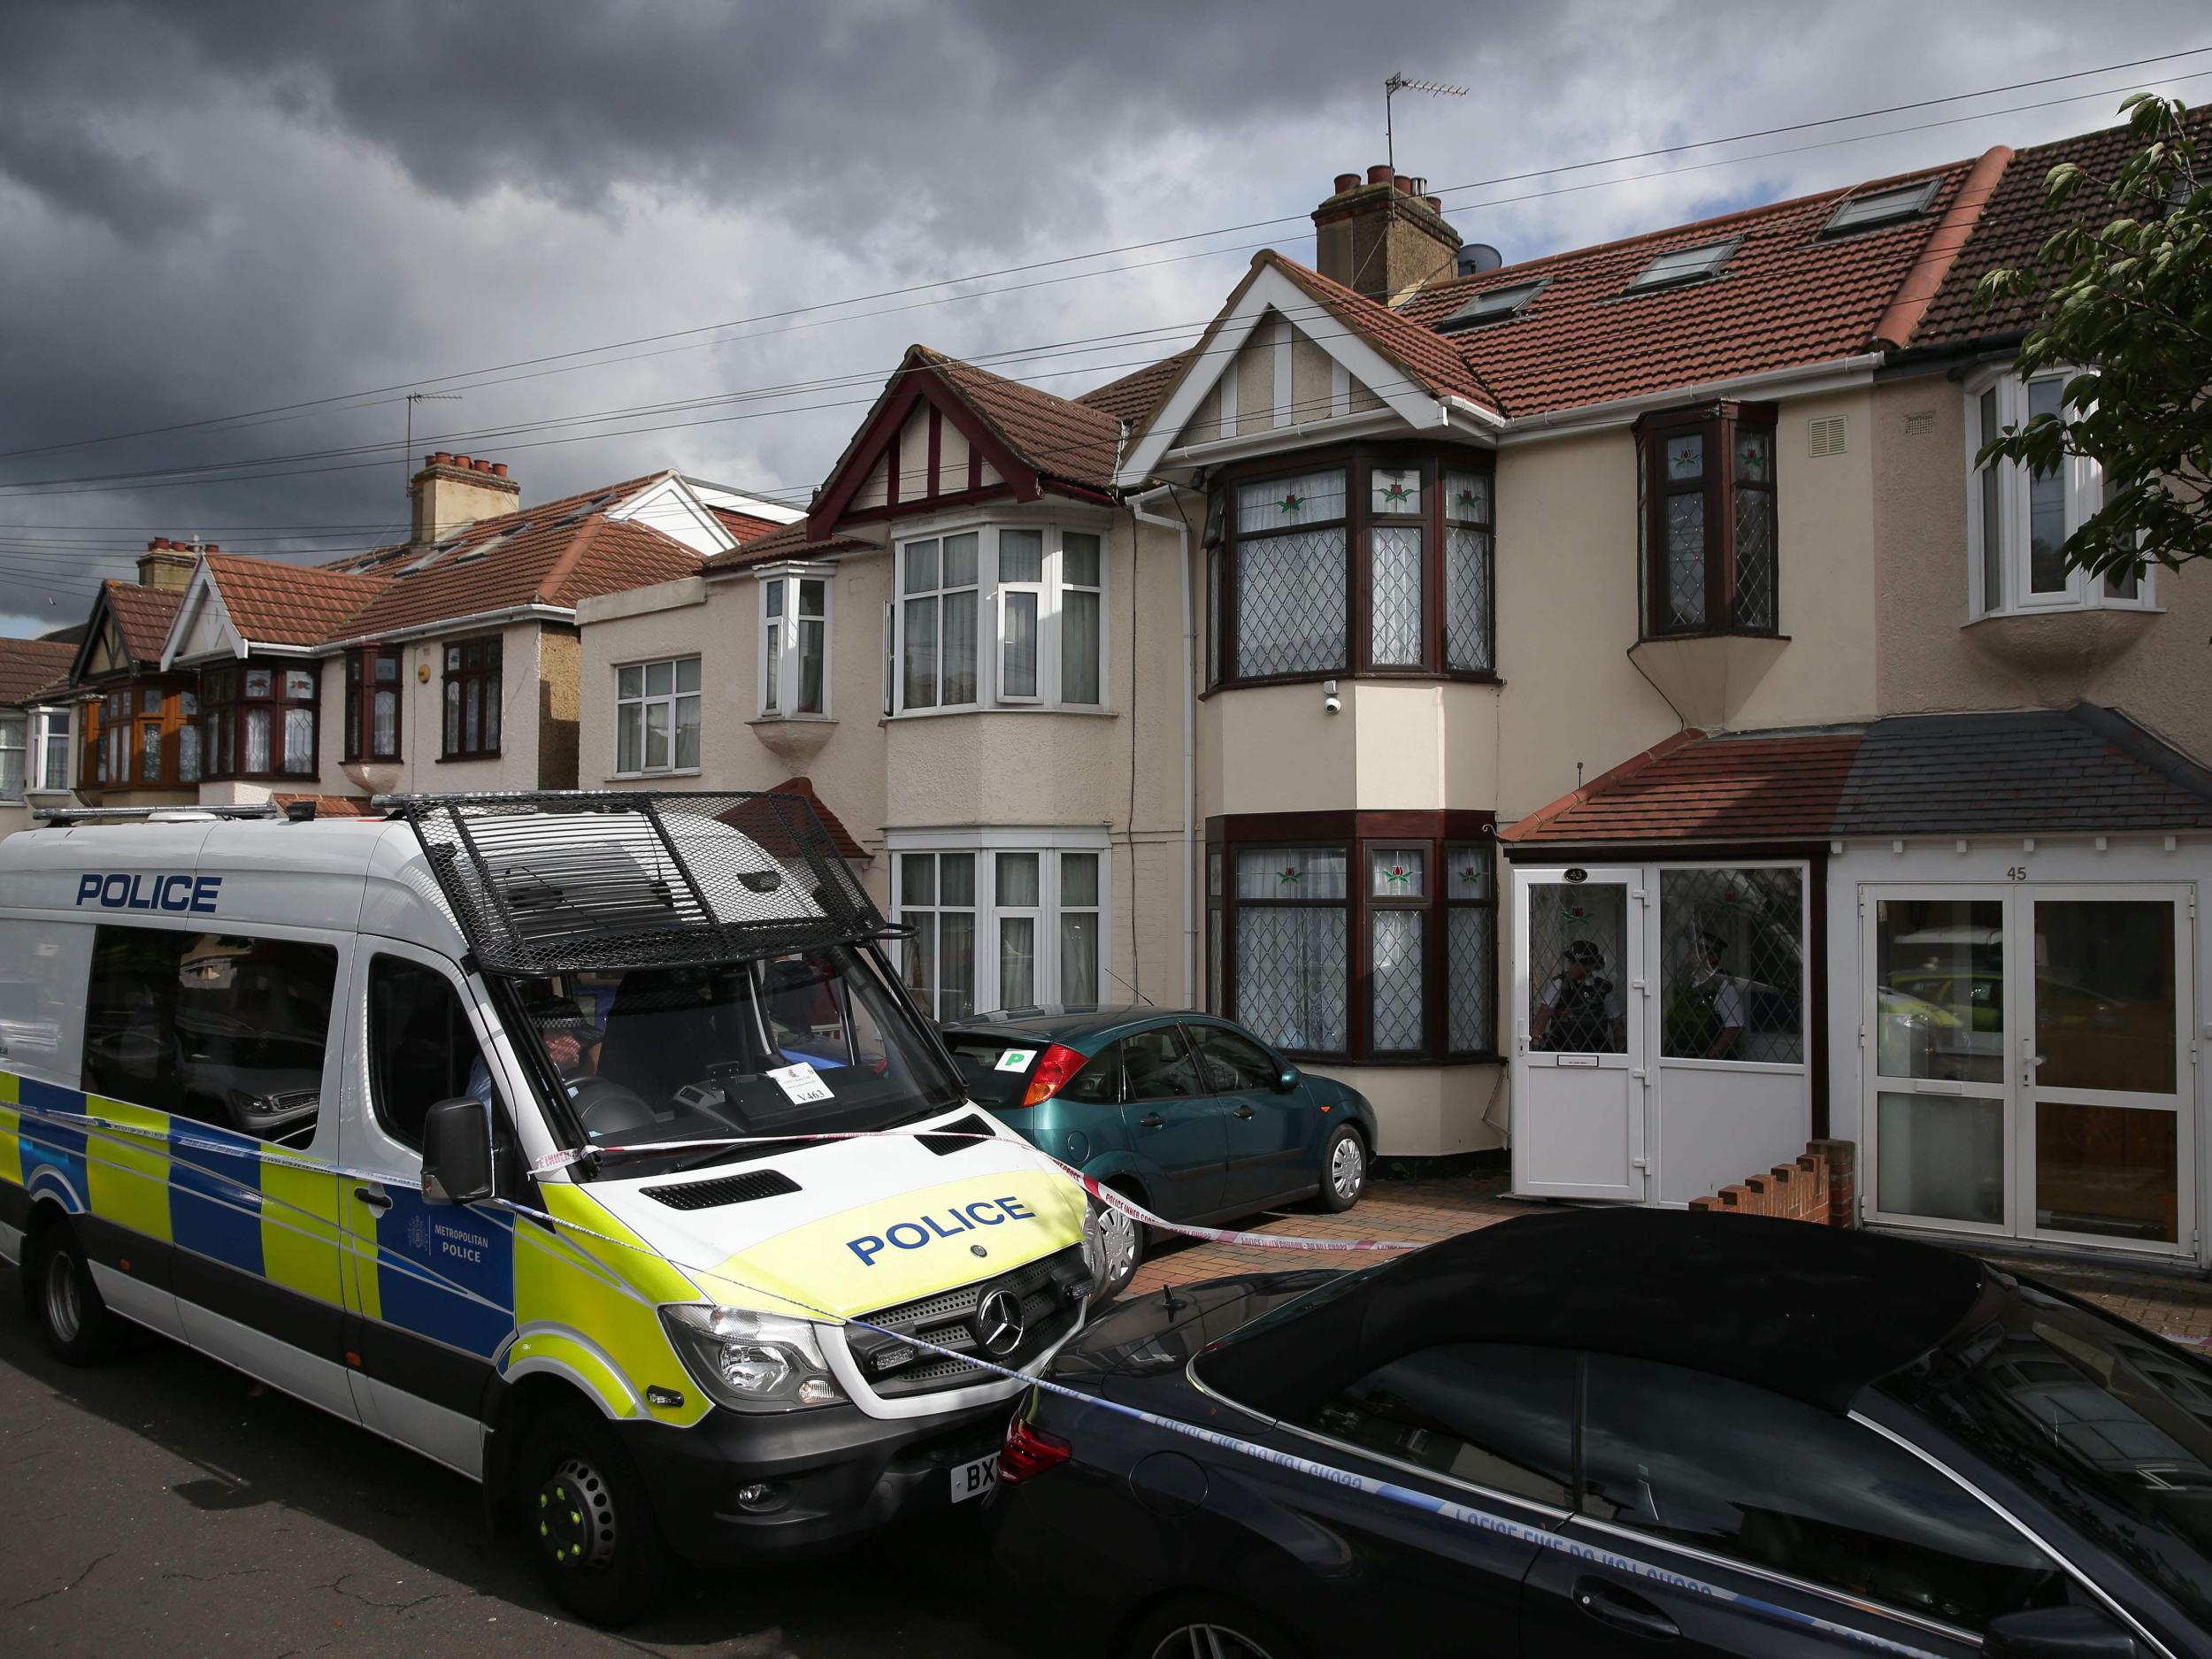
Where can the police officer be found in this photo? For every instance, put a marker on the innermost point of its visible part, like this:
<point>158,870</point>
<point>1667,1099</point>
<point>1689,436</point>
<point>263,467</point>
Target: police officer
<point>1723,997</point>
<point>1580,1010</point>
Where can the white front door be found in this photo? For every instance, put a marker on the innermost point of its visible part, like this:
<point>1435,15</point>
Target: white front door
<point>2030,1072</point>
<point>1580,1078</point>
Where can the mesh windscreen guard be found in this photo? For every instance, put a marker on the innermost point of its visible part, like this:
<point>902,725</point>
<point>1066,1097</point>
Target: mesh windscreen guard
<point>543,883</point>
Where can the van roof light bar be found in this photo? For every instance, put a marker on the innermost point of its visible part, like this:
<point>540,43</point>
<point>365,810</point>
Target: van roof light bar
<point>163,814</point>
<point>570,880</point>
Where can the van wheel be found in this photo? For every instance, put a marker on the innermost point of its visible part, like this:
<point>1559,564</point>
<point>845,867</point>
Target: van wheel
<point>587,1521</point>
<point>79,1328</point>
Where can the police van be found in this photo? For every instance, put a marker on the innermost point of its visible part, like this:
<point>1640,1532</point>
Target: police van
<point>555,1136</point>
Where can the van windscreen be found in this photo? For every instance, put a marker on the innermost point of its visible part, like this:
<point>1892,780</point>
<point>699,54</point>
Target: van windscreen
<point>806,1042</point>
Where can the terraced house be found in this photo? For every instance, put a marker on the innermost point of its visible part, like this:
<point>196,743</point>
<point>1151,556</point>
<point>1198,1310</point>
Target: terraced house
<point>447,662</point>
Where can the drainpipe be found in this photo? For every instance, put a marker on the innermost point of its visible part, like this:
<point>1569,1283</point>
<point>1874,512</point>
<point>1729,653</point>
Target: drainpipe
<point>1136,505</point>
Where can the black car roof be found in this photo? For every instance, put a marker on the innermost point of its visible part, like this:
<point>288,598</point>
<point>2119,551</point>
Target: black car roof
<point>1812,1312</point>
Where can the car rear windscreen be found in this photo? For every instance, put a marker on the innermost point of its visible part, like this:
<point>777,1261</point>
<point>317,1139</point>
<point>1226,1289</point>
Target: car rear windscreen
<point>995,1070</point>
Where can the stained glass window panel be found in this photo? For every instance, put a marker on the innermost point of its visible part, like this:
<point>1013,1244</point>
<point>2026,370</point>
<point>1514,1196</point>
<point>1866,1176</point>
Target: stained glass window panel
<point>1398,872</point>
<point>1467,498</point>
<point>1283,503</point>
<point>1395,488</point>
<point>1466,871</point>
<point>1395,605</point>
<point>1291,872</point>
<point>1685,457</point>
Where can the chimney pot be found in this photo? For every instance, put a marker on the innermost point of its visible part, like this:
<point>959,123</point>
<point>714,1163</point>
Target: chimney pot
<point>1403,185</point>
<point>1379,175</point>
<point>460,460</point>
<point>441,458</point>
<point>1347,181</point>
<point>499,469</point>
<point>212,546</point>
<point>1436,203</point>
<point>1417,186</point>
<point>157,544</point>
<point>483,466</point>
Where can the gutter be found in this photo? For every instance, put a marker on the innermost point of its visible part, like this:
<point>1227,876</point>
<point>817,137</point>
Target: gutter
<point>1853,370</point>
<point>1135,504</point>
<point>448,624</point>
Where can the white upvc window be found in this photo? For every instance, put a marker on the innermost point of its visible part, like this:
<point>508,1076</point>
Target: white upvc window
<point>1039,592</point>
<point>794,643</point>
<point>50,758</point>
<point>2017,521</point>
<point>1002,918</point>
<point>656,717</point>
<point>14,730</point>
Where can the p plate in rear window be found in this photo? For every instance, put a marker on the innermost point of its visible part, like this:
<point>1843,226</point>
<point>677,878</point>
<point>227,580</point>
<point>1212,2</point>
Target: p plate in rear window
<point>1014,1060</point>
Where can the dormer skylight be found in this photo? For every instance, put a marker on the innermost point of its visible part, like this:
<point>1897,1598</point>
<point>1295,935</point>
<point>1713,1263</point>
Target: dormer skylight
<point>1492,305</point>
<point>587,509</point>
<point>1680,266</point>
<point>1883,207</point>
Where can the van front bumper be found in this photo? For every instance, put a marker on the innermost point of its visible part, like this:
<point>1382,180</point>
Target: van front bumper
<point>834,1474</point>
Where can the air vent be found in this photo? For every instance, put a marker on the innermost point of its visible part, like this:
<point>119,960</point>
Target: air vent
<point>943,1144</point>
<point>731,1189</point>
<point>1825,436</point>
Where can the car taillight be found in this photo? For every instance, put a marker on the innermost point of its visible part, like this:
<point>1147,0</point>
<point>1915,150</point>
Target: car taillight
<point>1029,1451</point>
<point>1055,1066</point>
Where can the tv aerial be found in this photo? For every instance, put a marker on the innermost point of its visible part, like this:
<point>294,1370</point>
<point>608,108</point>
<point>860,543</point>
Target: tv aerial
<point>1391,87</point>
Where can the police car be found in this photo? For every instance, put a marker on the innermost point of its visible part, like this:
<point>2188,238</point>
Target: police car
<point>556,1137</point>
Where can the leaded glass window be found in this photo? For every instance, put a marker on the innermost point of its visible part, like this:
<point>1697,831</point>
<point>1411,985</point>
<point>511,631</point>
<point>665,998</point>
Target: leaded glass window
<point>1731,963</point>
<point>1467,572</point>
<point>1395,596</point>
<point>1754,485</point>
<point>1397,1014</point>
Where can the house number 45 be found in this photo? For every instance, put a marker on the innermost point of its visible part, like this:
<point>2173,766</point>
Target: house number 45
<point>2018,872</point>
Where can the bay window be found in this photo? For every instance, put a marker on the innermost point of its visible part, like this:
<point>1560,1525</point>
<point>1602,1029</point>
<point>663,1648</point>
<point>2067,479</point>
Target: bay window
<point>793,642</point>
<point>1001,918</point>
<point>1354,935</point>
<point>1707,521</point>
<point>656,717</point>
<point>1378,564</point>
<point>2018,520</point>
<point>473,699</point>
<point>372,676</point>
<point>259,720</point>
<point>1035,595</point>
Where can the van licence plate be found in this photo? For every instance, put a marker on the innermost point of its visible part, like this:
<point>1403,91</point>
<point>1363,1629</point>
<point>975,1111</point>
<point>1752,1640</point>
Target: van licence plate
<point>974,1478</point>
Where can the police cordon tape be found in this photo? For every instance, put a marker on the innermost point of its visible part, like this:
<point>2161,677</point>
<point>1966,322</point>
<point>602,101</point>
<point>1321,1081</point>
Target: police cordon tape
<point>1390,1492</point>
<point>1105,1195</point>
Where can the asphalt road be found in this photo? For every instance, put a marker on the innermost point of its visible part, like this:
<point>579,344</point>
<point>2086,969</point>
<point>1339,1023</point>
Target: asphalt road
<point>164,1504</point>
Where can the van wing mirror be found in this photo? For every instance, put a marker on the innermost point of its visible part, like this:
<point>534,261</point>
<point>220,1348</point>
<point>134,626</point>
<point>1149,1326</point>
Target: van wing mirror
<point>456,1152</point>
<point>2058,1632</point>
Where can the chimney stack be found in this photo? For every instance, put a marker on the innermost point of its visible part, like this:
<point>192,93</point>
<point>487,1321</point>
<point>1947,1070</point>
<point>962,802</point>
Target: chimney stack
<point>454,491</point>
<point>1382,238</point>
<point>169,565</point>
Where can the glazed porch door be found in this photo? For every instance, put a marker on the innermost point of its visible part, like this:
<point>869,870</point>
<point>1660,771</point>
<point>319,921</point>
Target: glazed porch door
<point>1580,1078</point>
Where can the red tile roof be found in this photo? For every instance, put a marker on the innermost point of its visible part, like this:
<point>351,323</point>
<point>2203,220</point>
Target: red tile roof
<point>1786,298</point>
<point>1131,397</point>
<point>274,603</point>
<point>787,542</point>
<point>2014,226</point>
<point>846,845</point>
<point>1693,788</point>
<point>143,616</point>
<point>743,526</point>
<point>1056,437</point>
<point>1430,361</point>
<point>28,667</point>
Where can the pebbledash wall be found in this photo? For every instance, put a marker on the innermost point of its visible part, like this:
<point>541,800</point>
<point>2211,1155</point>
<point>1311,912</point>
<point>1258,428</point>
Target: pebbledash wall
<point>1113,776</point>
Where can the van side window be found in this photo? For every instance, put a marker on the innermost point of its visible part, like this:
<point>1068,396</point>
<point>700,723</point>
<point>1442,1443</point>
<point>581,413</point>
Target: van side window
<point>421,1047</point>
<point>220,1027</point>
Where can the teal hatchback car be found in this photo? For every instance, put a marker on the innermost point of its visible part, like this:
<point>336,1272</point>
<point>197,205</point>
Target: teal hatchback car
<point>1190,1115</point>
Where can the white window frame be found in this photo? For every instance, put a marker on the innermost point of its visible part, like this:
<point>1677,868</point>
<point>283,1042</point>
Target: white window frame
<point>646,699</point>
<point>15,739</point>
<point>792,576</point>
<point>985,844</point>
<point>47,724</point>
<point>992,604</point>
<point>2085,494</point>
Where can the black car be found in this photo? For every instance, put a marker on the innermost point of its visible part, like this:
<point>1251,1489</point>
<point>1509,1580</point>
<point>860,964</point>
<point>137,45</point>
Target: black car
<point>1607,1432</point>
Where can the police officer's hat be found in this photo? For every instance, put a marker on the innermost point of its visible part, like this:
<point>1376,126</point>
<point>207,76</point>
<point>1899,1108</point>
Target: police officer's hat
<point>1583,950</point>
<point>1712,944</point>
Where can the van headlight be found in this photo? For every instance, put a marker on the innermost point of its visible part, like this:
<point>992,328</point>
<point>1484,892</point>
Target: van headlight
<point>751,1361</point>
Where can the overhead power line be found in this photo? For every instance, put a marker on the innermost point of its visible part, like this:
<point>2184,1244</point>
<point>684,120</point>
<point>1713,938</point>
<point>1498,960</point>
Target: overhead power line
<point>471,375</point>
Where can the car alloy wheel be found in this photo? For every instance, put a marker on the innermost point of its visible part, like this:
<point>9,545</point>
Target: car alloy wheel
<point>1207,1641</point>
<point>1119,1246</point>
<point>1347,1169</point>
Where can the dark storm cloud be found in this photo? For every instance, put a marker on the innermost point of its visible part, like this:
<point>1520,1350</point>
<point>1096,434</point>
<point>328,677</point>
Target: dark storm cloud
<point>219,206</point>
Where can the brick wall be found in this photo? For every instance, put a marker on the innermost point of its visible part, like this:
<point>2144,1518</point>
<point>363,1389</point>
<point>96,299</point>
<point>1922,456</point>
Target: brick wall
<point>1819,1187</point>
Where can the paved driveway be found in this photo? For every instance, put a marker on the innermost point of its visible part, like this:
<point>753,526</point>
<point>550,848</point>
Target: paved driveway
<point>163,1504</point>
